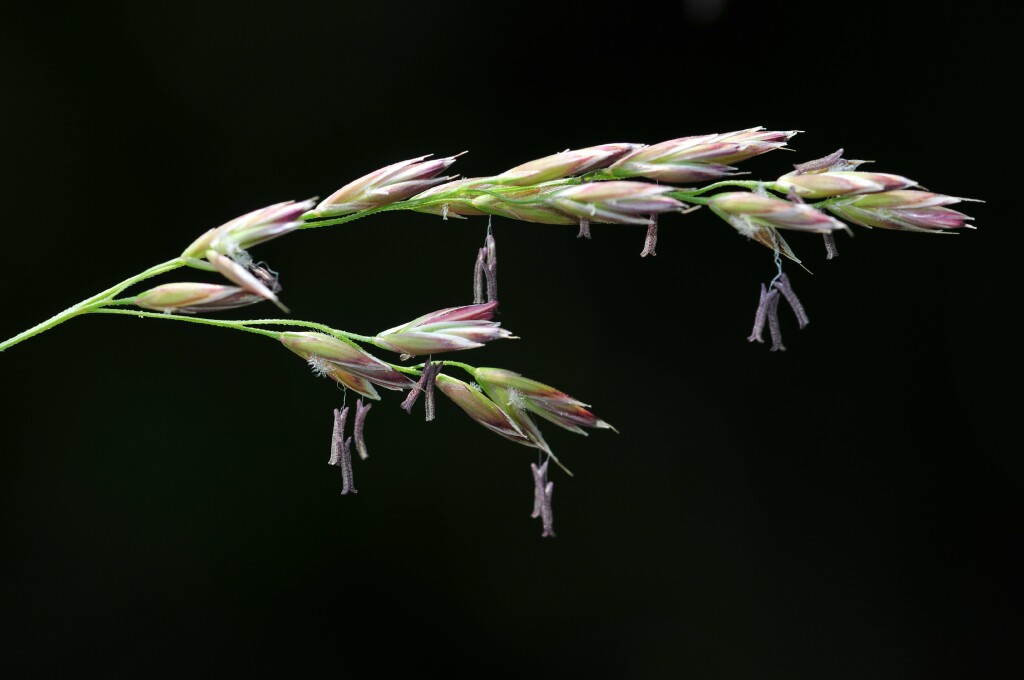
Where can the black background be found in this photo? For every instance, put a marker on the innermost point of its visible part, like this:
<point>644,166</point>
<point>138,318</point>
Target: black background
<point>843,510</point>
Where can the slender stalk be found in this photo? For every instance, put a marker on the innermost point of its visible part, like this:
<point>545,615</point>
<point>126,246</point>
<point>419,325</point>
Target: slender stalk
<point>745,184</point>
<point>245,325</point>
<point>91,304</point>
<point>222,323</point>
<point>410,370</point>
<point>315,326</point>
<point>458,364</point>
<point>310,220</point>
<point>248,327</point>
<point>696,200</point>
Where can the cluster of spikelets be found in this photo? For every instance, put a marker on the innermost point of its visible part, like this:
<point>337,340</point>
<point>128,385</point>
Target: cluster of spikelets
<point>599,184</point>
<point>620,183</point>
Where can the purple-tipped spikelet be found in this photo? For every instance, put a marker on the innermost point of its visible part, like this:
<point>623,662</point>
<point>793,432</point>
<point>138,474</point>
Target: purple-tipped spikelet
<point>829,184</point>
<point>565,164</point>
<point>615,202</point>
<point>446,330</point>
<point>507,388</point>
<point>224,248</point>
<point>481,409</point>
<point>748,211</point>
<point>258,226</point>
<point>344,362</point>
<point>195,298</point>
<point>757,217</point>
<point>905,210</point>
<point>390,184</point>
<point>699,158</point>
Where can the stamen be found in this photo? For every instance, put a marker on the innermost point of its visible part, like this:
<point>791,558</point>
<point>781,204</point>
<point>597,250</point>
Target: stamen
<point>347,484</point>
<point>759,317</point>
<point>584,229</point>
<point>361,410</point>
<point>772,312</point>
<point>652,238</point>
<point>540,480</point>
<point>491,248</point>
<point>830,246</point>
<point>492,283</point>
<point>783,286</point>
<point>267,276</point>
<point>411,398</point>
<point>825,163</point>
<point>338,436</point>
<point>547,517</point>
<point>426,387</point>
<point>430,372</point>
<point>479,272</point>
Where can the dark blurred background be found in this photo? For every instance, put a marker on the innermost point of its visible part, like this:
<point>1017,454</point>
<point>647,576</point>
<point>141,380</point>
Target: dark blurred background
<point>840,510</point>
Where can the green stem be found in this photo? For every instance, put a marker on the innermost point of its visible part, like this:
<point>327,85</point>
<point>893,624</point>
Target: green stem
<point>745,184</point>
<point>247,326</point>
<point>458,364</point>
<point>411,370</point>
<point>91,304</point>
<point>697,200</point>
<point>315,326</point>
<point>312,221</point>
<point>222,323</point>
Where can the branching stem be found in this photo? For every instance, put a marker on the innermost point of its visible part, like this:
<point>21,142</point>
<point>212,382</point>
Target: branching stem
<point>91,304</point>
<point>251,326</point>
<point>106,300</point>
